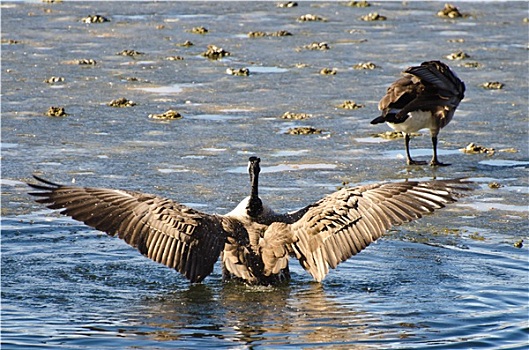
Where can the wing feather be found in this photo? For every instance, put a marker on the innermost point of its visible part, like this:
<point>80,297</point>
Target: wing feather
<point>432,86</point>
<point>164,231</point>
<point>347,221</point>
<point>439,76</point>
<point>399,94</point>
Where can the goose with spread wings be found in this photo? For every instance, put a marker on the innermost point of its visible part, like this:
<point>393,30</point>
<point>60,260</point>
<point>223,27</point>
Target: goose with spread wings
<point>426,97</point>
<point>254,242</point>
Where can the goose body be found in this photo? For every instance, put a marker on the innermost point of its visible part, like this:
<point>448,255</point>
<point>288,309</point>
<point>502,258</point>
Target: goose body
<point>253,242</point>
<point>426,97</point>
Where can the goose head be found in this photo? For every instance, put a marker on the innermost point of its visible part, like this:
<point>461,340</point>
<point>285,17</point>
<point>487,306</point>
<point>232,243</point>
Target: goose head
<point>252,208</point>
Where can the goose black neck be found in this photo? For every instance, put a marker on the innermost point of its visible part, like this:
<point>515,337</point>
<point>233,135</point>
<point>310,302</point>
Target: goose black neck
<point>255,206</point>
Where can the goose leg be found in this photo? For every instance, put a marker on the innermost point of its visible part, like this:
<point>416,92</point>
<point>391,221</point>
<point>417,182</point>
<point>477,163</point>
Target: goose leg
<point>408,156</point>
<point>435,161</point>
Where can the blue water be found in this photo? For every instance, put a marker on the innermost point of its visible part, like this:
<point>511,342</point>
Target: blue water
<point>455,279</point>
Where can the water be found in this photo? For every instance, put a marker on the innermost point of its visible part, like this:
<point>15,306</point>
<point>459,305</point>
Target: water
<point>452,280</point>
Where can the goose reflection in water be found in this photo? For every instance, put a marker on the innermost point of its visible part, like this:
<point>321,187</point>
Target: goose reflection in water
<point>255,315</point>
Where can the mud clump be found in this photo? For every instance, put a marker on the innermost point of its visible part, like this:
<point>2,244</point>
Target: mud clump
<point>322,46</point>
<point>53,80</point>
<point>328,71</point>
<point>264,34</point>
<point>492,85</point>
<point>257,34</point>
<point>358,4</point>
<point>472,148</point>
<point>56,112</point>
<point>459,55</point>
<point>495,185</point>
<point>10,41</point>
<point>304,130</point>
<point>240,72</point>
<point>295,116</point>
<point>130,53</point>
<point>472,65</point>
<point>451,11</point>
<point>301,65</point>
<point>310,18</point>
<point>86,62</point>
<point>169,115</point>
<point>121,103</point>
<point>214,52</point>
<point>186,43</point>
<point>350,105</point>
<point>280,33</point>
<point>365,66</point>
<point>95,19</point>
<point>374,16</point>
<point>287,4</point>
<point>199,30</point>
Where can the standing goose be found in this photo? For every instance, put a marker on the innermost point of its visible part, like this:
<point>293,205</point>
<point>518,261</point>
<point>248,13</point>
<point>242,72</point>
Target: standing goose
<point>425,98</point>
<point>253,241</point>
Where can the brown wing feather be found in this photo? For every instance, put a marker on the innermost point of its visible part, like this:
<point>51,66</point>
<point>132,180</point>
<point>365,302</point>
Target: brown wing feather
<point>238,258</point>
<point>432,86</point>
<point>400,93</point>
<point>441,90</point>
<point>256,253</point>
<point>438,77</point>
<point>161,229</point>
<point>347,221</point>
<point>274,247</point>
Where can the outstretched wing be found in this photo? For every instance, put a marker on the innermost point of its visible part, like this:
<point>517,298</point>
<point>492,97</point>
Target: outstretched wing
<point>164,231</point>
<point>347,221</point>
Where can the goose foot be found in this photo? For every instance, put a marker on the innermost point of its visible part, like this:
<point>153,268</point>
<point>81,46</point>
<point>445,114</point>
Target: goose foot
<point>438,163</point>
<point>415,162</point>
